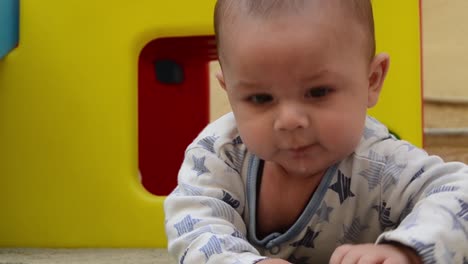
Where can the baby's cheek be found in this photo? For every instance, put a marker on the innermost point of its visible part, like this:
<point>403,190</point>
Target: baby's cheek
<point>347,133</point>
<point>254,137</point>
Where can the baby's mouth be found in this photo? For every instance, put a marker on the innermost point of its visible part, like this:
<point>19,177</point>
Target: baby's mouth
<point>299,151</point>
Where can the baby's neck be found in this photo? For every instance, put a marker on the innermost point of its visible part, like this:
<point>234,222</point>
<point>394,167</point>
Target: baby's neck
<point>282,176</point>
<point>282,198</point>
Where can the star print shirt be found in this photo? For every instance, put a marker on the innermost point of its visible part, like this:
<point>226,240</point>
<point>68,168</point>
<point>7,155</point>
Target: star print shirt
<point>386,191</point>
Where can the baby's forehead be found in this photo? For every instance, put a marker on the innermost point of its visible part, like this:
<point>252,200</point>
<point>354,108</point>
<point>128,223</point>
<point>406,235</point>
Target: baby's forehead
<point>229,12</point>
<point>270,8</point>
<point>338,12</point>
<point>240,14</point>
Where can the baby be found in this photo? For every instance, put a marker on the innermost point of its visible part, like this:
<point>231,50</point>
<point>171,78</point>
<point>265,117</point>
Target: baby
<point>298,173</point>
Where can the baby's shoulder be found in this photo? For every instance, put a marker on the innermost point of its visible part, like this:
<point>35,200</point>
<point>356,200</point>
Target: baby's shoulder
<point>379,145</point>
<point>218,134</point>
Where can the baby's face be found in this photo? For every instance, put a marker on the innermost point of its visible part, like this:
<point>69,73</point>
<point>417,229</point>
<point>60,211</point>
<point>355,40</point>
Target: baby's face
<point>298,87</point>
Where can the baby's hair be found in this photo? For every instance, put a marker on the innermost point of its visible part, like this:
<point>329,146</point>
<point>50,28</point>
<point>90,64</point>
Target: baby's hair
<point>360,9</point>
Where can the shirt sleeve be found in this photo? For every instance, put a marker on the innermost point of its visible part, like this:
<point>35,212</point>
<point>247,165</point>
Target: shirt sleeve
<point>424,205</point>
<point>204,221</point>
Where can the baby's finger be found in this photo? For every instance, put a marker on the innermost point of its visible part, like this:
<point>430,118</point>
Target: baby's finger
<point>393,261</point>
<point>339,254</point>
<point>372,259</point>
<point>354,255</point>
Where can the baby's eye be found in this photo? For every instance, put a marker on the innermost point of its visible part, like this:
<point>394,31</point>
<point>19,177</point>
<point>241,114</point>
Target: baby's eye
<point>318,92</point>
<point>260,98</point>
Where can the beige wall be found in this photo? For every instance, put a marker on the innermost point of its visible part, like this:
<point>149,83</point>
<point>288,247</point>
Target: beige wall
<point>445,48</point>
<point>219,104</point>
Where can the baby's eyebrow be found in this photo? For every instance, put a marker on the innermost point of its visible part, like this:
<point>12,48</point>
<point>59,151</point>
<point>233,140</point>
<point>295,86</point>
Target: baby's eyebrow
<point>327,78</point>
<point>246,84</point>
<point>318,74</point>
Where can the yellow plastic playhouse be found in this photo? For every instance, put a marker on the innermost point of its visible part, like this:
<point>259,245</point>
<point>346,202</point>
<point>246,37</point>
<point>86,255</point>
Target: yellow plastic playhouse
<point>92,91</point>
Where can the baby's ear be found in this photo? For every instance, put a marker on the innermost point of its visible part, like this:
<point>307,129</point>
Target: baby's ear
<point>378,72</point>
<point>220,77</point>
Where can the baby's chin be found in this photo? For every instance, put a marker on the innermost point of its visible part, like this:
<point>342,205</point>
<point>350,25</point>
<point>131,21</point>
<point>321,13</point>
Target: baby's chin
<point>304,172</point>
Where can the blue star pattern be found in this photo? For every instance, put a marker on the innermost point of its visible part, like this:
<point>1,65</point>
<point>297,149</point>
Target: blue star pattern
<point>408,208</point>
<point>342,187</point>
<point>464,210</point>
<point>308,239</point>
<point>300,260</point>
<point>390,173</point>
<point>212,247</point>
<point>235,156</point>
<point>186,225</point>
<point>372,173</point>
<point>417,175</point>
<point>220,209</point>
<point>324,212</point>
<point>227,198</point>
<point>199,165</point>
<point>238,234</point>
<point>197,233</point>
<point>457,224</point>
<point>425,251</point>
<point>237,141</point>
<point>208,143</point>
<point>352,232</point>
<point>374,156</point>
<point>237,245</point>
<point>190,190</point>
<point>443,188</point>
<point>384,215</point>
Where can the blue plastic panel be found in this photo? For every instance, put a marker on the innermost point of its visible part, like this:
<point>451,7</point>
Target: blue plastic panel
<point>9,25</point>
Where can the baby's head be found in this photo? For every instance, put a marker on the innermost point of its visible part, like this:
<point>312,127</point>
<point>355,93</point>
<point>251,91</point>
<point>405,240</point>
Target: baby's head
<point>300,75</point>
<point>359,12</point>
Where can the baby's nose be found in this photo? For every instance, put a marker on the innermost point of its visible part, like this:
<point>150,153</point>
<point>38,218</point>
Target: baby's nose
<point>290,118</point>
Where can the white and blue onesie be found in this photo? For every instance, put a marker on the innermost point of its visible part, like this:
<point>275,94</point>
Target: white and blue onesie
<point>386,191</point>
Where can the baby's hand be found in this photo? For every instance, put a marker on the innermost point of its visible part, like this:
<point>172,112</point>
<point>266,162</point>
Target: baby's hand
<point>374,254</point>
